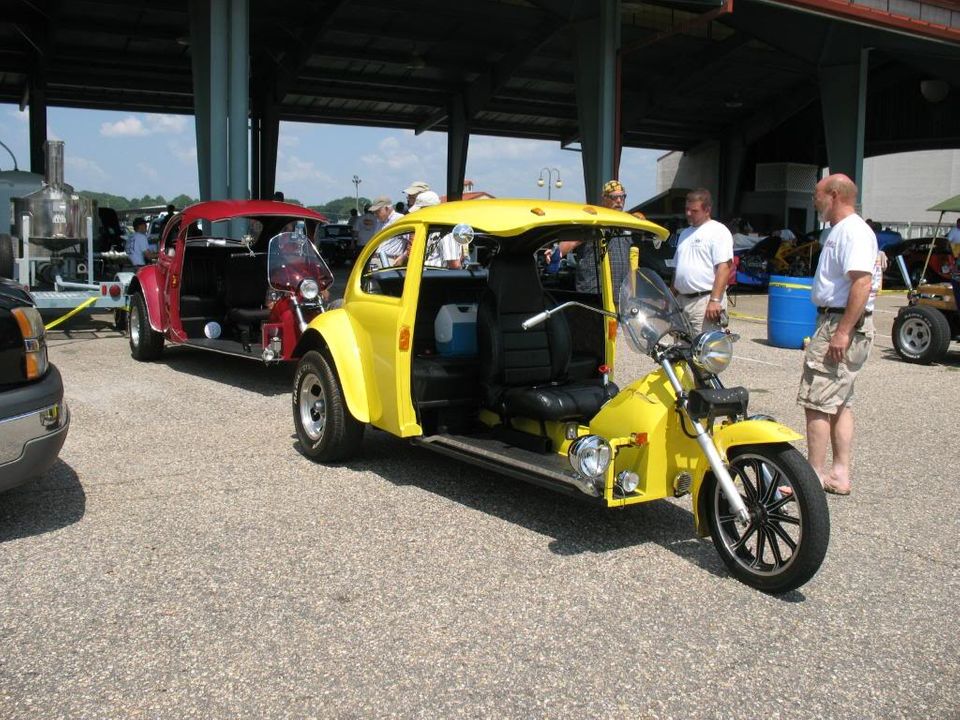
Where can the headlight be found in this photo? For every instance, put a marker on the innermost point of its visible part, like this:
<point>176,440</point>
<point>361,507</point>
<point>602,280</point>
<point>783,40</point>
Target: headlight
<point>713,350</point>
<point>590,456</point>
<point>34,340</point>
<point>309,289</point>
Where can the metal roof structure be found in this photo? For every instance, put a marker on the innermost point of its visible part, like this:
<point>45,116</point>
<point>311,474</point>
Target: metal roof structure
<point>689,71</point>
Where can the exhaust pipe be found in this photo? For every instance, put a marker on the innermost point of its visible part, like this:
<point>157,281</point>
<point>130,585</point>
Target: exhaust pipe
<point>904,273</point>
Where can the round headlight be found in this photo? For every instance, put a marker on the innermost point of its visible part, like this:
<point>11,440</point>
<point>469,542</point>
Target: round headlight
<point>713,350</point>
<point>590,456</point>
<point>309,289</point>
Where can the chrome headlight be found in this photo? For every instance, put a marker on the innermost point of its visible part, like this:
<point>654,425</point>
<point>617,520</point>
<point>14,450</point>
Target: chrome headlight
<point>713,350</point>
<point>590,456</point>
<point>309,290</point>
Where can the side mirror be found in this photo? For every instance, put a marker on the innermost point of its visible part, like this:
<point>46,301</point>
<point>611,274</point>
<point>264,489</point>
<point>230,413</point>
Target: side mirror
<point>463,233</point>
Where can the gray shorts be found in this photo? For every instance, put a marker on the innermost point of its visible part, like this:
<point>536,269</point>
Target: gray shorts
<point>827,386</point>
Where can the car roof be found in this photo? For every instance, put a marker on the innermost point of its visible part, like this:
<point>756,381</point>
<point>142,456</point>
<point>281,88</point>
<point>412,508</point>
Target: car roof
<point>217,210</point>
<point>516,216</point>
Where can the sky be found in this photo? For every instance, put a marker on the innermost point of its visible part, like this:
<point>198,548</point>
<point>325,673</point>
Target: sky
<point>137,154</point>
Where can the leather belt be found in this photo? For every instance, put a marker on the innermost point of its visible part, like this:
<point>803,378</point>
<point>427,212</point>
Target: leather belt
<point>696,294</point>
<point>839,311</point>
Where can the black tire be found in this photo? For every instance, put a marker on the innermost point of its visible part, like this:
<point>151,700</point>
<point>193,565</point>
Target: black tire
<point>145,343</point>
<point>921,334</point>
<point>6,256</point>
<point>326,429</point>
<point>787,538</point>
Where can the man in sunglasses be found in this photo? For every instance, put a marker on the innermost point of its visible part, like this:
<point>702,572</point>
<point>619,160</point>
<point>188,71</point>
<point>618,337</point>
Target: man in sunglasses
<point>618,248</point>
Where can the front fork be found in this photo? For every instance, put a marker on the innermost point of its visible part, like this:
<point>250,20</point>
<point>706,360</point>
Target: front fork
<point>705,441</point>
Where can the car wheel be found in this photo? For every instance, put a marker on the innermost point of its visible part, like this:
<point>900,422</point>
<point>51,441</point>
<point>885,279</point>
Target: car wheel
<point>921,334</point>
<point>6,256</point>
<point>789,530</point>
<point>326,429</point>
<point>145,342</point>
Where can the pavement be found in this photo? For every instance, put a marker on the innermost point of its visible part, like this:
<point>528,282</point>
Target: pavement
<point>183,560</point>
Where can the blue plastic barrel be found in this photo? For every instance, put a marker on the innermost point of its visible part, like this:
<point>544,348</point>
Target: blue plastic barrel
<point>791,316</point>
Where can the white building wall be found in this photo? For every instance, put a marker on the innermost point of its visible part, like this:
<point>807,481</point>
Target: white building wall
<point>899,188</point>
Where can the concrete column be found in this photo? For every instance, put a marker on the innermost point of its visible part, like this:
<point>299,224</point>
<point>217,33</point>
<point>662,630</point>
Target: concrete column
<point>200,63</point>
<point>219,96</point>
<point>239,97</point>
<point>458,141</point>
<point>598,42</point>
<point>843,94</point>
<point>37,85</point>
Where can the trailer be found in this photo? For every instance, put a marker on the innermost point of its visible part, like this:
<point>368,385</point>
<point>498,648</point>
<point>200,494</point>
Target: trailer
<point>54,250</point>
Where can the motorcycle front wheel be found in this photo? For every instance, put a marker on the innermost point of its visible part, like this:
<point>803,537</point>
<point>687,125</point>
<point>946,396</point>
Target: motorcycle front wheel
<point>786,540</point>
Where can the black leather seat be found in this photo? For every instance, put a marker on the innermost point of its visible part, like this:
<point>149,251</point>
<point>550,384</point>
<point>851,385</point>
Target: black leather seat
<point>246,289</point>
<point>525,371</point>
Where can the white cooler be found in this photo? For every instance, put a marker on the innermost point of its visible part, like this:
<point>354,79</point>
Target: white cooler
<point>455,330</point>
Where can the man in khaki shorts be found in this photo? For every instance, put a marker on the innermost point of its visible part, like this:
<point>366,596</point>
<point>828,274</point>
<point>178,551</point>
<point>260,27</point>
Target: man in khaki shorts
<point>844,294</point>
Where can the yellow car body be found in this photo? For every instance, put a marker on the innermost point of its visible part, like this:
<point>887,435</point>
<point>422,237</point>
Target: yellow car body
<point>370,338</point>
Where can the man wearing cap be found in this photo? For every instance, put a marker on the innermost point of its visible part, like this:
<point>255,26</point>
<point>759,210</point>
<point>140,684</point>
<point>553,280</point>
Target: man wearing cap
<point>394,250</point>
<point>704,258</point>
<point>618,248</point>
<point>138,246</point>
<point>415,188</point>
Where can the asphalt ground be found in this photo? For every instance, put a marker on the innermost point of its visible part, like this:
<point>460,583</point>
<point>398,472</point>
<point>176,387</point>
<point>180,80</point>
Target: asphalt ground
<point>183,560</point>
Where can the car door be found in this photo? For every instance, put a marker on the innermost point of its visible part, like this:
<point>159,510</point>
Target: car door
<point>382,299</point>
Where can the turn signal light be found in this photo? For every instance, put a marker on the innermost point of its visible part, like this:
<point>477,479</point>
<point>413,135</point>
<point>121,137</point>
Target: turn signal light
<point>404,343</point>
<point>611,329</point>
<point>537,211</point>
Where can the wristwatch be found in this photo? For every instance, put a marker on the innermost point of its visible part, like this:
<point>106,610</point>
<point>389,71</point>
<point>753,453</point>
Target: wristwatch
<point>719,300</point>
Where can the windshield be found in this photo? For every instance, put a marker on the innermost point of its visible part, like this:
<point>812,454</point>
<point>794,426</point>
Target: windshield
<point>648,311</point>
<point>291,259</point>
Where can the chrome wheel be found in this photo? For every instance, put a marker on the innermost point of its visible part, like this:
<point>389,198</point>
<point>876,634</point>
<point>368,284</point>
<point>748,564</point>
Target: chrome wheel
<point>914,336</point>
<point>134,325</point>
<point>313,406</point>
<point>325,428</point>
<point>786,539</point>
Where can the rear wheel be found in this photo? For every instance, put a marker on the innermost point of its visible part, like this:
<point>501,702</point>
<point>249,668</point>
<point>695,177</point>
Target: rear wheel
<point>921,334</point>
<point>145,342</point>
<point>786,540</point>
<point>326,429</point>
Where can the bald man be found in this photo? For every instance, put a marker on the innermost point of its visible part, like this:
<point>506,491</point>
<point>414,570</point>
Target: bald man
<point>843,292</point>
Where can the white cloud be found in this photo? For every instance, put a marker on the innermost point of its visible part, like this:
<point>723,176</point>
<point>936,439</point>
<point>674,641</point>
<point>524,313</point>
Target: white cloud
<point>167,124</point>
<point>133,126</point>
<point>295,170</point>
<point>186,155</point>
<point>82,169</point>
<point>147,171</point>
<point>128,127</point>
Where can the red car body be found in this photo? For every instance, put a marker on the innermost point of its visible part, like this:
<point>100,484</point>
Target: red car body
<point>193,292</point>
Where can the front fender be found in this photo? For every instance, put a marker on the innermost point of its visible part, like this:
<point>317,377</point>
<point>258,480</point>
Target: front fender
<point>752,432</point>
<point>147,283</point>
<point>747,432</point>
<point>333,332</point>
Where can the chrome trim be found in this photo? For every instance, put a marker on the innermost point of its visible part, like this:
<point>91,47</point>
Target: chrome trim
<point>17,431</point>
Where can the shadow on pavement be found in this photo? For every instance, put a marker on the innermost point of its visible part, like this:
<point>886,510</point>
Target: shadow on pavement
<point>54,501</point>
<point>268,380</point>
<point>576,526</point>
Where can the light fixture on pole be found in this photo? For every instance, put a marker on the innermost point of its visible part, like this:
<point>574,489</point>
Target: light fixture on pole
<point>356,188</point>
<point>550,182</point>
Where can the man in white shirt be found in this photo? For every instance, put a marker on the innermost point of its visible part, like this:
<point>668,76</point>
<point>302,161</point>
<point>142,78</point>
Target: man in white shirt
<point>843,293</point>
<point>138,247</point>
<point>704,259</point>
<point>395,250</point>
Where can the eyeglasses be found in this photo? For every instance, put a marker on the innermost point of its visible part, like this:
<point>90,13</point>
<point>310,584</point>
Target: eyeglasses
<point>617,196</point>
